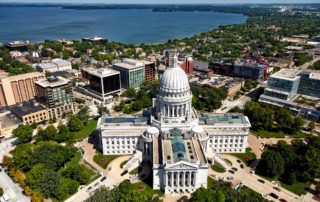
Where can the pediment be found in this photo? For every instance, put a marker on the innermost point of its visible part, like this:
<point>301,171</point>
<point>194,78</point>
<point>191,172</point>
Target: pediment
<point>181,165</point>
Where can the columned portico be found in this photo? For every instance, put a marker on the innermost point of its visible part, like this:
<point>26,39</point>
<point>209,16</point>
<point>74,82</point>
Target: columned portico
<point>179,181</point>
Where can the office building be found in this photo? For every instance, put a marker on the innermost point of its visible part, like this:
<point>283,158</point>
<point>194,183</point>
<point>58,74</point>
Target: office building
<point>19,88</point>
<point>103,83</point>
<point>56,94</point>
<point>21,46</point>
<point>296,90</point>
<point>187,65</point>
<point>56,65</point>
<point>169,55</point>
<point>30,112</point>
<point>250,70</point>
<point>131,73</point>
<point>176,139</point>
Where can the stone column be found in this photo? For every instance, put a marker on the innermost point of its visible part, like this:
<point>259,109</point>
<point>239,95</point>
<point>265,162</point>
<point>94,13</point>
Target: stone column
<point>183,179</point>
<point>172,175</point>
<point>166,179</point>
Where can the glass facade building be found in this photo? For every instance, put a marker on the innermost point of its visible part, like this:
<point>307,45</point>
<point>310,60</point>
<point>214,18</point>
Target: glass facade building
<point>131,75</point>
<point>282,88</point>
<point>309,84</point>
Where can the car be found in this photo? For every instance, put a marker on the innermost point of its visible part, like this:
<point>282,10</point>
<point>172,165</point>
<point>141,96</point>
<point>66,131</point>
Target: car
<point>96,184</point>
<point>241,166</point>
<point>89,188</point>
<point>231,171</point>
<point>262,181</point>
<point>230,178</point>
<point>238,161</point>
<point>283,200</point>
<point>124,172</point>
<point>235,169</point>
<point>110,168</point>
<point>273,195</point>
<point>277,188</point>
<point>103,179</point>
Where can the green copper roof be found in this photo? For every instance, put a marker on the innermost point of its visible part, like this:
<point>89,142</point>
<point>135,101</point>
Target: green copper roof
<point>178,148</point>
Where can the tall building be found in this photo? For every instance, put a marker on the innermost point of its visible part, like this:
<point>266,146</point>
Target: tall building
<point>131,73</point>
<point>103,82</point>
<point>173,137</point>
<point>187,65</point>
<point>149,70</point>
<point>169,55</point>
<point>56,94</point>
<point>19,88</point>
<point>309,83</point>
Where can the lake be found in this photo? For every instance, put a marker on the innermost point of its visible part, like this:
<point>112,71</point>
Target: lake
<point>124,25</point>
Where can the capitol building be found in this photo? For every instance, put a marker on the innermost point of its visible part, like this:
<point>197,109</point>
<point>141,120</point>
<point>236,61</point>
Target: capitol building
<point>179,142</point>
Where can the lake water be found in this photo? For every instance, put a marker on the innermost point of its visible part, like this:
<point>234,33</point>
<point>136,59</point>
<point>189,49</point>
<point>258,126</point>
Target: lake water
<point>123,25</point>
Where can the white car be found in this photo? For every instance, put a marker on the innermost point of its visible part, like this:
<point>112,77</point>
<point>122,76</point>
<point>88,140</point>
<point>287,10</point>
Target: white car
<point>5,198</point>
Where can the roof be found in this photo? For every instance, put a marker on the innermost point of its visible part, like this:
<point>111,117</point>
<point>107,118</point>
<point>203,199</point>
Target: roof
<point>101,72</point>
<point>287,74</point>
<point>201,65</point>
<point>60,62</point>
<point>25,108</point>
<point>129,63</point>
<point>52,82</point>
<point>232,118</point>
<point>178,149</point>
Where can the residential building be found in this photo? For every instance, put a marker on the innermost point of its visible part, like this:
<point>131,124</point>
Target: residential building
<point>56,65</point>
<point>56,94</point>
<point>19,88</point>
<point>30,112</point>
<point>231,88</point>
<point>248,69</point>
<point>131,73</point>
<point>103,83</point>
<point>176,139</point>
<point>149,70</point>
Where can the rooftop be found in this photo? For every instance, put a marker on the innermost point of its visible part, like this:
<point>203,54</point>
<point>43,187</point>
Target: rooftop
<point>288,74</point>
<point>60,62</point>
<point>52,82</point>
<point>209,119</point>
<point>129,63</point>
<point>101,72</point>
<point>25,108</point>
<point>135,120</point>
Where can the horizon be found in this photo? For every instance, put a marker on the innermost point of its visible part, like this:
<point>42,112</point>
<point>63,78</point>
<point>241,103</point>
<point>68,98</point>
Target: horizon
<point>156,2</point>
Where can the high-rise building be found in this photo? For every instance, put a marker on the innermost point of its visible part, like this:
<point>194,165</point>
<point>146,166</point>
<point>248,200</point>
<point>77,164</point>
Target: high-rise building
<point>19,88</point>
<point>131,73</point>
<point>169,55</point>
<point>149,70</point>
<point>103,82</point>
<point>309,83</point>
<point>56,94</point>
<point>187,65</point>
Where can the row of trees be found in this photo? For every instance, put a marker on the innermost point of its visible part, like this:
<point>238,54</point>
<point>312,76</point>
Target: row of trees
<point>299,161</point>
<point>47,170</point>
<point>220,191</point>
<point>124,192</point>
<point>272,119</point>
<point>207,98</point>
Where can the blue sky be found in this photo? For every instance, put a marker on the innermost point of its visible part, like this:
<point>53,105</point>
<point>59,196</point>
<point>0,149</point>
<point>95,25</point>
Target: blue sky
<point>166,1</point>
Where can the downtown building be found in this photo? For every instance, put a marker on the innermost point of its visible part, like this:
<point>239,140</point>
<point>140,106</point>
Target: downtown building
<point>56,94</point>
<point>176,140</point>
<point>296,90</point>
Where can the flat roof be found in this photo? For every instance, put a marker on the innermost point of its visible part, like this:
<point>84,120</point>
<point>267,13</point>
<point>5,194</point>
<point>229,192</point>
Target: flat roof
<point>52,82</point>
<point>129,63</point>
<point>60,62</point>
<point>287,74</point>
<point>231,118</point>
<point>26,108</point>
<point>101,72</point>
<point>124,120</point>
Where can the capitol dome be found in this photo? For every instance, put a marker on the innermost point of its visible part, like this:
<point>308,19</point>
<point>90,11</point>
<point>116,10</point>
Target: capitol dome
<point>174,80</point>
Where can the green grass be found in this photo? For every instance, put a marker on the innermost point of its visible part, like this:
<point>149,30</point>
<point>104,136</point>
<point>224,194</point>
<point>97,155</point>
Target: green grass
<point>103,160</point>
<point>248,157</point>
<point>218,168</point>
<point>148,191</point>
<point>123,163</point>
<point>297,188</point>
<point>279,134</point>
<point>228,161</point>
<point>86,131</point>
<point>134,171</point>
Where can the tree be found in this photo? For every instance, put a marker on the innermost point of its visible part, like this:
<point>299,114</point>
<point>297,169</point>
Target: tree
<point>50,184</point>
<point>23,133</point>
<point>207,195</point>
<point>312,125</point>
<point>104,194</point>
<point>271,164</point>
<point>1,191</point>
<point>83,114</point>
<point>22,157</point>
<point>102,109</point>
<point>131,93</point>
<point>51,131</point>
<point>35,175</point>
<point>133,196</point>
<point>75,124</point>
<point>36,197</point>
<point>67,187</point>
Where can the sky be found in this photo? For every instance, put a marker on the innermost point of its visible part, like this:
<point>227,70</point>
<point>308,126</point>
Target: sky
<point>165,1</point>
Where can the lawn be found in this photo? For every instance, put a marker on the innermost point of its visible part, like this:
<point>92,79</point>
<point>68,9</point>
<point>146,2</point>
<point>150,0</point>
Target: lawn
<point>248,157</point>
<point>103,160</point>
<point>134,171</point>
<point>228,161</point>
<point>279,134</point>
<point>297,188</point>
<point>148,191</point>
<point>218,168</point>
<point>86,131</point>
<point>123,163</point>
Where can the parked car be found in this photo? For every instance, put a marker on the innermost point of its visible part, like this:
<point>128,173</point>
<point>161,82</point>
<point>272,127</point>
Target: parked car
<point>89,188</point>
<point>277,188</point>
<point>241,166</point>
<point>273,195</point>
<point>124,172</point>
<point>238,161</point>
<point>231,171</point>
<point>235,169</point>
<point>103,179</point>
<point>262,181</point>
<point>283,200</point>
